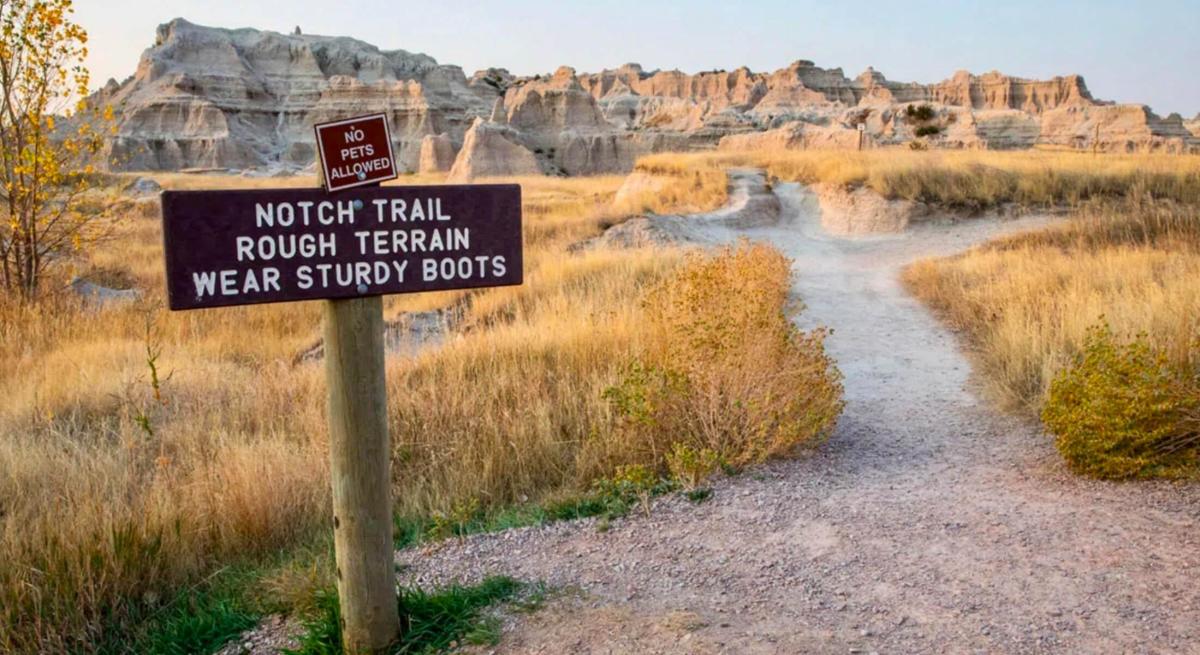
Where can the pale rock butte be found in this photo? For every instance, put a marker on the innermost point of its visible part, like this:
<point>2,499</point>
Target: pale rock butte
<point>247,99</point>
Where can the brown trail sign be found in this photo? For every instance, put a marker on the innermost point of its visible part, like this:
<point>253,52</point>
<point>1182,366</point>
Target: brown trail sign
<point>279,245</point>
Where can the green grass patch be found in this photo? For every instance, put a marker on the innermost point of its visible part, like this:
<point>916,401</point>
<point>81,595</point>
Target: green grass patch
<point>198,619</point>
<point>207,615</point>
<point>200,624</point>
<point>431,622</point>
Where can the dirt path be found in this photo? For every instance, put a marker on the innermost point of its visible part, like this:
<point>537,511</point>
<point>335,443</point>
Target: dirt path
<point>929,523</point>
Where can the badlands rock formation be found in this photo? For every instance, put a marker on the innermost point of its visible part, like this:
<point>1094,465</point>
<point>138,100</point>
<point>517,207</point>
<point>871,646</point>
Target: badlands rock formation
<point>216,98</point>
<point>860,211</point>
<point>205,97</point>
<point>1193,125</point>
<point>437,154</point>
<point>492,149</point>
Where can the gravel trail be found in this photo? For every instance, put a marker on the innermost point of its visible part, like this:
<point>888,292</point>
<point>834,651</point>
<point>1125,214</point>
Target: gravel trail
<point>929,523</point>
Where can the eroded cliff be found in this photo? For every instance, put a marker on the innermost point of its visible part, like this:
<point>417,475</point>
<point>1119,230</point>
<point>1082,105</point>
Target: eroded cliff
<point>247,99</point>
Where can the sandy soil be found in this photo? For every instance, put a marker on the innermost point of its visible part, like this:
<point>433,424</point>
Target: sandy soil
<point>929,523</point>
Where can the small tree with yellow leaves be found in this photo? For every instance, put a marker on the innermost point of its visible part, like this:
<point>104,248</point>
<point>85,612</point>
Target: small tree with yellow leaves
<point>49,141</point>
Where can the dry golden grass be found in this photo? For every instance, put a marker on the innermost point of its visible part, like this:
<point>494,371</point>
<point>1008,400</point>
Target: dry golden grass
<point>1027,301</point>
<point>99,511</point>
<point>110,498</point>
<point>968,179</point>
<point>673,183</point>
<point>509,411</point>
<point>99,514</point>
<point>725,370</point>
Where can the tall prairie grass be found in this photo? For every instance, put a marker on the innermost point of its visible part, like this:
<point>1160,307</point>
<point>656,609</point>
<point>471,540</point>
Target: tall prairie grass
<point>665,184</point>
<point>510,412</point>
<point>970,180</point>
<point>114,493</point>
<point>141,450</point>
<point>1026,302</point>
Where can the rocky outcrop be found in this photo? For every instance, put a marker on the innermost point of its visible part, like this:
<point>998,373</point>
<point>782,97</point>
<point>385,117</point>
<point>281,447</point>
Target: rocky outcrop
<point>803,86</point>
<point>796,135</point>
<point>208,98</point>
<point>563,124</point>
<point>862,210</point>
<point>143,186</point>
<point>1004,129</point>
<point>543,109</point>
<point>98,295</point>
<point>995,90</point>
<point>213,98</point>
<point>1116,128</point>
<point>489,150</point>
<point>752,203</point>
<point>437,154</point>
<point>1193,125</point>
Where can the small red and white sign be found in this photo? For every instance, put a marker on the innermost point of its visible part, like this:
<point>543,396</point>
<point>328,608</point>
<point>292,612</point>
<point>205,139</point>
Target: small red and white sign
<point>356,152</point>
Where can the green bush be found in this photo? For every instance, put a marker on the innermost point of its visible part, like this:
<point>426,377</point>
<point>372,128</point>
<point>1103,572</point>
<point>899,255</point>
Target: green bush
<point>1124,411</point>
<point>691,466</point>
<point>631,484</point>
<point>928,130</point>
<point>919,113</point>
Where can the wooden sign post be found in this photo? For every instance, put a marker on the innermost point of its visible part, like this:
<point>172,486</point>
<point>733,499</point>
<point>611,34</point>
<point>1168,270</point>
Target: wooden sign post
<point>279,245</point>
<point>352,153</point>
<point>360,466</point>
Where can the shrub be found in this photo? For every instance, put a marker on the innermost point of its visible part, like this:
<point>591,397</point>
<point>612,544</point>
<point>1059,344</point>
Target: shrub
<point>691,466</point>
<point>919,113</point>
<point>456,521</point>
<point>928,130</point>
<point>1124,410</point>
<point>725,369</point>
<point>633,483</point>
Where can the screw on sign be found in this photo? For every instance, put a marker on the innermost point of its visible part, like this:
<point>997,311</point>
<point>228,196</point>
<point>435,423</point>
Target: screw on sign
<point>240,247</point>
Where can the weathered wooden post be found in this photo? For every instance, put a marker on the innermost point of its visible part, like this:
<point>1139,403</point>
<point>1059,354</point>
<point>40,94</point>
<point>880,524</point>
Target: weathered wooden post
<point>347,244</point>
<point>356,407</point>
<point>360,465</point>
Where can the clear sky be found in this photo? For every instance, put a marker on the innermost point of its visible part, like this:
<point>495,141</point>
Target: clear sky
<point>1144,51</point>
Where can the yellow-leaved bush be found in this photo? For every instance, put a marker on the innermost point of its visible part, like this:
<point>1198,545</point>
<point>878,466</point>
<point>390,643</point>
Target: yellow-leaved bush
<point>724,369</point>
<point>1126,410</point>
